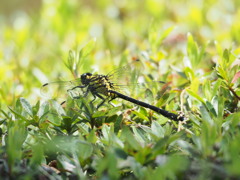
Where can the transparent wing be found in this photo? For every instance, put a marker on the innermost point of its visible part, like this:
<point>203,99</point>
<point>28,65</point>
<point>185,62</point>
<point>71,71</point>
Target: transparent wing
<point>126,75</point>
<point>60,89</point>
<point>129,79</point>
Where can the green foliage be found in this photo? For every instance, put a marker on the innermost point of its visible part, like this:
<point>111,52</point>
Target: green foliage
<point>193,47</point>
<point>75,61</point>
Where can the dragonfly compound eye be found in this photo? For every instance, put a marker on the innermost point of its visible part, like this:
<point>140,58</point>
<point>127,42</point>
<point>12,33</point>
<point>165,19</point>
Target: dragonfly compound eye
<point>85,77</point>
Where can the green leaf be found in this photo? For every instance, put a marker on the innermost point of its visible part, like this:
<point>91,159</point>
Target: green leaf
<point>149,95</point>
<point>54,119</point>
<point>36,108</point>
<point>169,166</point>
<point>226,58</point>
<point>70,61</point>
<point>107,166</point>
<point>118,124</point>
<point>16,137</point>
<point>207,89</point>
<point>18,115</point>
<point>44,108</point>
<point>222,73</point>
<point>156,37</point>
<point>193,94</point>
<point>216,86</point>
<point>140,115</point>
<point>129,137</point>
<point>55,113</point>
<point>87,49</point>
<point>106,133</point>
<point>83,128</point>
<point>138,170</point>
<point>205,115</point>
<point>92,138</point>
<point>166,33</point>
<point>67,123</point>
<point>99,114</point>
<point>219,48</point>
<point>215,104</point>
<point>221,105</point>
<point>189,73</point>
<point>165,99</point>
<point>84,149</point>
<point>192,50</point>
<point>211,108</point>
<point>56,107</point>
<point>37,155</point>
<point>157,129</point>
<point>113,111</point>
<point>26,106</point>
<point>139,134</point>
<point>160,146</point>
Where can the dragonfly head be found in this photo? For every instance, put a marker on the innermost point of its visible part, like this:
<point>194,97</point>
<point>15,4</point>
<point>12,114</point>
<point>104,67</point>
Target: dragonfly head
<point>85,78</point>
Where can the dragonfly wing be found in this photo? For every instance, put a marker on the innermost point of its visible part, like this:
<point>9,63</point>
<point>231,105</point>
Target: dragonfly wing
<point>60,89</point>
<point>128,79</point>
<point>127,74</point>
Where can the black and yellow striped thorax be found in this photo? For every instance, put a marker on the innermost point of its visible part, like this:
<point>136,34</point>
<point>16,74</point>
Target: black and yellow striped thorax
<point>98,84</point>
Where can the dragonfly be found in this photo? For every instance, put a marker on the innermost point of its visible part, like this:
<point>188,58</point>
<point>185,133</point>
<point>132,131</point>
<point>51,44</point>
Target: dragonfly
<point>101,86</point>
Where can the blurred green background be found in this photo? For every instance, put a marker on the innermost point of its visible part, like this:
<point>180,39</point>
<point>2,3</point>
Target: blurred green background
<point>193,44</point>
<point>35,36</point>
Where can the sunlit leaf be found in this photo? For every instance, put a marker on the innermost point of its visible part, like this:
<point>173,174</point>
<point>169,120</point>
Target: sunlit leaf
<point>27,107</point>
<point>205,115</point>
<point>195,95</point>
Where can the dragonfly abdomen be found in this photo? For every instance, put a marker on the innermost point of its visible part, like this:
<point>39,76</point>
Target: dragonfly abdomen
<point>165,113</point>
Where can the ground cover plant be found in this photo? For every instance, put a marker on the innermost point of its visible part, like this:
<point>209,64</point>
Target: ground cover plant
<point>192,46</point>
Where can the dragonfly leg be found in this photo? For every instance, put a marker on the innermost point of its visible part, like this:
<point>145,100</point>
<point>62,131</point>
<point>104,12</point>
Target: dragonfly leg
<point>111,99</point>
<point>86,93</point>
<point>78,87</point>
<point>103,100</point>
<point>76,97</point>
<point>69,91</point>
<point>94,97</point>
<point>101,103</point>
